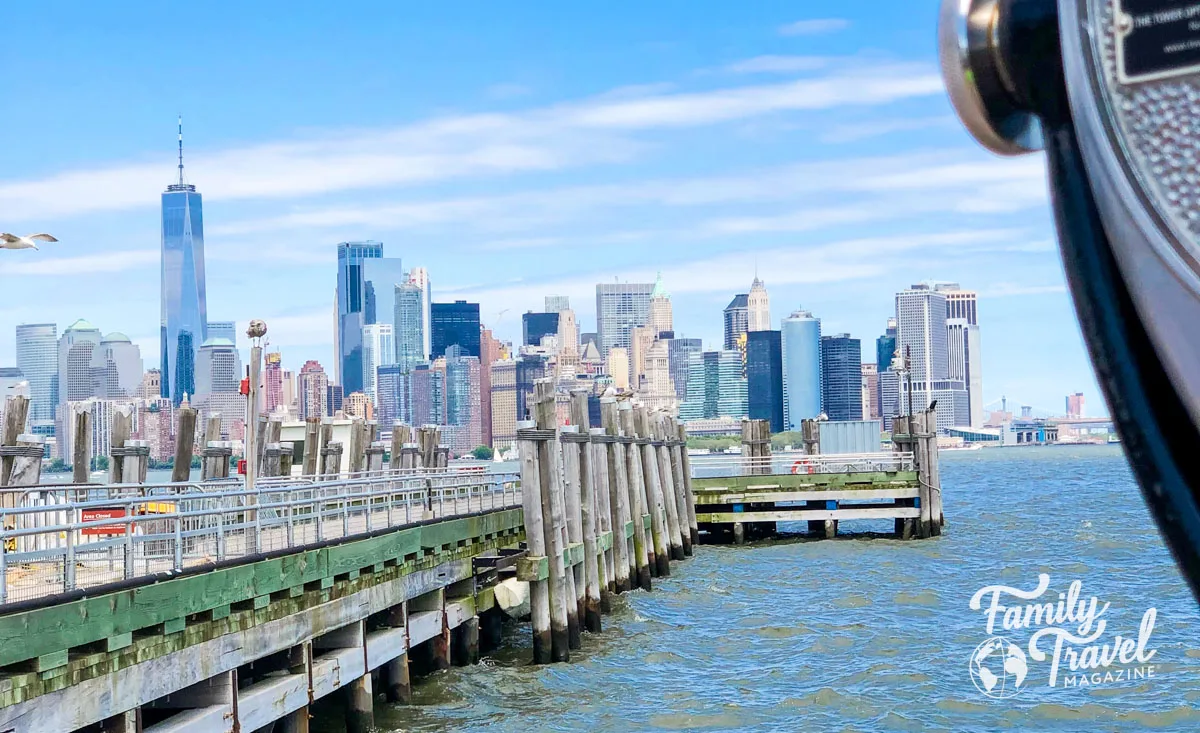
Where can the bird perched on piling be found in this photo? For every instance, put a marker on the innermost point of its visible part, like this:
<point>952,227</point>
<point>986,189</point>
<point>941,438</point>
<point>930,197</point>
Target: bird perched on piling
<point>12,241</point>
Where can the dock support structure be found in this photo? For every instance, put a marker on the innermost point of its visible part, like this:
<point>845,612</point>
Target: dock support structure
<point>528,438</point>
<point>686,463</point>
<point>570,442</point>
<point>643,543</point>
<point>756,459</point>
<point>554,519</point>
<point>625,556</point>
<point>587,575</point>
<point>917,434</point>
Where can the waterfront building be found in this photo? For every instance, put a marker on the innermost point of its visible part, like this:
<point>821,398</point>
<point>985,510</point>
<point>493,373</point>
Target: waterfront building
<point>155,425</point>
<point>618,367</point>
<point>429,393</point>
<point>184,323</point>
<point>758,307</point>
<point>76,353</point>
<point>223,330</point>
<point>273,382</point>
<point>37,358</point>
<point>117,367</point>
<point>536,325</point>
<point>409,331</point>
<point>313,390</point>
<point>504,403</point>
<point>679,351</point>
<point>800,336</point>
<point>335,396</point>
<point>716,386</point>
<point>391,396</point>
<point>841,377</point>
<point>218,368</point>
<point>870,391</point>
<point>379,349</point>
<point>455,324</point>
<point>737,320</point>
<point>620,307</point>
<point>463,409</point>
<point>358,404</point>
<point>1075,405</point>
<point>764,377</point>
<point>922,339</point>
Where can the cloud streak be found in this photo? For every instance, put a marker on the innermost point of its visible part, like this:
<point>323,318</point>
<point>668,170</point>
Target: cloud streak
<point>814,27</point>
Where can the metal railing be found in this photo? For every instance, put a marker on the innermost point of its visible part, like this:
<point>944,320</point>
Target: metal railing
<point>58,539</point>
<point>720,465</point>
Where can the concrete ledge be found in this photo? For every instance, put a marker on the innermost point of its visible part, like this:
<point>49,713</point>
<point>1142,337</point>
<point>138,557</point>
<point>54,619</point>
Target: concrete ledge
<point>799,515</point>
<point>213,719</point>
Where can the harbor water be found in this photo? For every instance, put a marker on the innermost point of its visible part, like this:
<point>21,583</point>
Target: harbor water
<point>862,633</point>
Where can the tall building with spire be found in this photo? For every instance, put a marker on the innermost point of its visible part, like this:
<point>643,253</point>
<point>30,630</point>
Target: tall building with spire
<point>758,307</point>
<point>184,305</point>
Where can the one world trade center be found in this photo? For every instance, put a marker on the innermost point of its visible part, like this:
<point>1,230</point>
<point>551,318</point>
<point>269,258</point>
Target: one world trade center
<point>184,313</point>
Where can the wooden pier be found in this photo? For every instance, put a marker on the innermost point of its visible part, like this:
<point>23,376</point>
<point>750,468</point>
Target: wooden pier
<point>746,496</point>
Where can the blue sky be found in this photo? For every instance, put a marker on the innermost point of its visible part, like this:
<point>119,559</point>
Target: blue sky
<point>518,150</point>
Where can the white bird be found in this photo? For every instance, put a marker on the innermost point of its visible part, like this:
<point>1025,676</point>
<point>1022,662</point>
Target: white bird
<point>11,241</point>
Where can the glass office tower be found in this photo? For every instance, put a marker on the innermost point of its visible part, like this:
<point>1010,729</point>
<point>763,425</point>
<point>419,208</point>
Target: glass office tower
<point>184,308</point>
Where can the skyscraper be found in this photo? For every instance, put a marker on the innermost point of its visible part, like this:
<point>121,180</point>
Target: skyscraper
<point>660,317</point>
<point>117,367</point>
<point>37,358</point>
<point>223,329</point>
<point>800,334</point>
<point>737,320</point>
<point>504,404</point>
<point>409,330</point>
<point>463,411</point>
<point>1075,405</point>
<point>557,303</point>
<point>923,339</point>
<point>429,393</point>
<point>758,307</point>
<point>885,347</point>
<point>679,352</point>
<point>352,312</point>
<point>764,377</point>
<point>218,376</point>
<point>529,367</point>
<point>184,303</point>
<point>454,324</point>
<point>419,276</point>
<point>536,325</point>
<point>490,350</point>
<point>716,387</point>
<point>391,395</point>
<point>313,388</point>
<point>870,391</point>
<point>841,377</point>
<point>619,308</point>
<point>380,278</point>
<point>76,350</point>
<point>379,349</point>
<point>273,382</point>
<point>966,363</point>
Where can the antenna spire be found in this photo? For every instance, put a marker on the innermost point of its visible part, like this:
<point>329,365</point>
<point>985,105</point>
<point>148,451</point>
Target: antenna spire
<point>180,150</point>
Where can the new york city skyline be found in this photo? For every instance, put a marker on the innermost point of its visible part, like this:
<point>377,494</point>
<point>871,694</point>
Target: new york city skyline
<point>850,184</point>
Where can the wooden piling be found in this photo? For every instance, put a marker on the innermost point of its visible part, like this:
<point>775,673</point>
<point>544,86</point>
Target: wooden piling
<point>331,460</point>
<point>552,509</point>
<point>535,538</point>
<point>603,513</point>
<point>375,457</point>
<point>271,453</point>
<point>81,448</point>
<point>360,705</point>
<point>575,588</point>
<point>678,483</point>
<point>464,643</point>
<point>590,596</point>
<point>667,483</point>
<point>625,563</point>
<point>401,434</point>
<point>638,504</point>
<point>312,446</point>
<point>685,462</point>
<point>216,460</point>
<point>399,683</point>
<point>119,434</point>
<point>16,413</point>
<point>654,496</point>
<point>185,440</point>
<point>26,455</point>
<point>357,451</point>
<point>286,455</point>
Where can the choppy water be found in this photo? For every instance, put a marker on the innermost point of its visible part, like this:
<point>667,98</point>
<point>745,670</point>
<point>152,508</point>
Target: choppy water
<point>864,634</point>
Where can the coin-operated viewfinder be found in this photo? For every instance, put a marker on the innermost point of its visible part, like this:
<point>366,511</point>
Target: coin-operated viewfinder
<point>1110,90</point>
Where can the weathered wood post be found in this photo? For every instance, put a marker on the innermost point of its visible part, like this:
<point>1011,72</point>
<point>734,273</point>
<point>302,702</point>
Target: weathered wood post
<point>401,434</point>
<point>375,457</point>
<point>399,683</point>
<point>549,460</point>
<point>427,442</point>
<point>16,413</point>
<point>667,483</point>
<point>810,434</point>
<point>589,609</point>
<point>410,457</point>
<point>357,450</point>
<point>654,497</point>
<point>638,505</point>
<point>185,441</point>
<point>569,440</point>
<point>602,518</point>
<point>756,453</point>
<point>216,460</point>
<point>686,465</point>
<point>528,437</point>
<point>923,437</point>
<point>136,463</point>
<point>312,446</point>
<point>271,454</point>
<point>933,475</point>
<point>287,450</point>
<point>119,433</point>
<point>624,555</point>
<point>905,528</point>
<point>679,493</point>
<point>331,460</point>
<point>81,447</point>
<point>212,428</point>
<point>26,455</point>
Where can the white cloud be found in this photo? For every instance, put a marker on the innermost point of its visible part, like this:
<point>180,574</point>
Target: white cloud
<point>814,27</point>
<point>589,132</point>
<point>778,64</point>
<point>32,264</point>
<point>848,133</point>
<point>1011,289</point>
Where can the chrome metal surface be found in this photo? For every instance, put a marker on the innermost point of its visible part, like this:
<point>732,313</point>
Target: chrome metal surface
<point>976,79</point>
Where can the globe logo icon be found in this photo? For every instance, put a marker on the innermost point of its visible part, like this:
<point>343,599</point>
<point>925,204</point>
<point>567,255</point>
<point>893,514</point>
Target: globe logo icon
<point>998,668</point>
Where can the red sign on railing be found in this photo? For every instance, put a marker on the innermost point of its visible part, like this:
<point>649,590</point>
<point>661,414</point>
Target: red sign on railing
<point>95,515</point>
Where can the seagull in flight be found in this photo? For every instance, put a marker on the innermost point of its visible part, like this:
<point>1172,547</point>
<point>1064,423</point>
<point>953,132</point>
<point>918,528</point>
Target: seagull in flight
<point>11,241</point>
